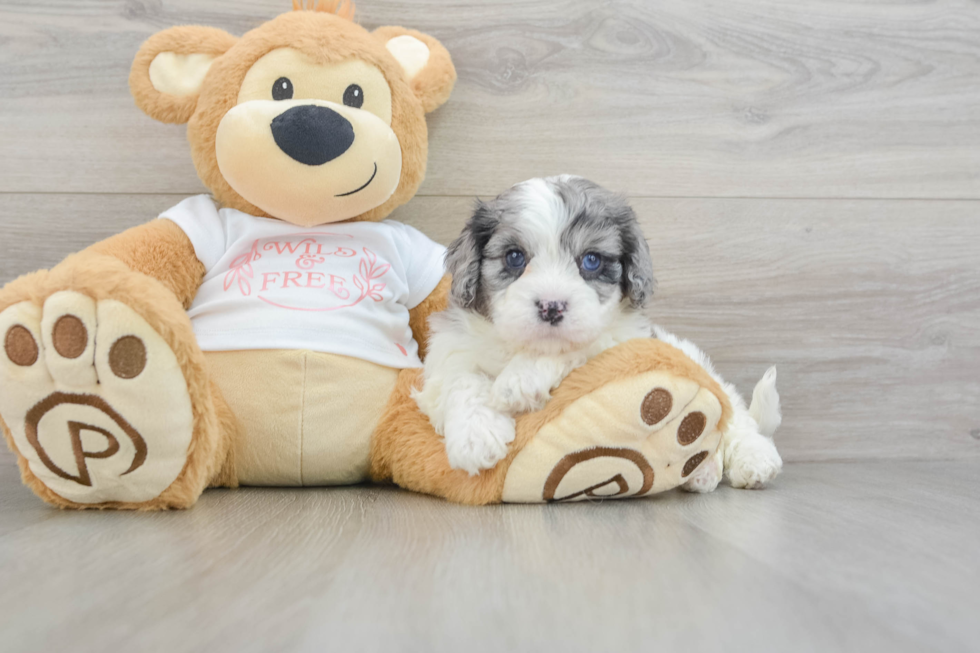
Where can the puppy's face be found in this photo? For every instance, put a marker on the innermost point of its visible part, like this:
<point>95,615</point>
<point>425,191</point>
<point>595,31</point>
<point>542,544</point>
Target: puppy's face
<point>551,262</point>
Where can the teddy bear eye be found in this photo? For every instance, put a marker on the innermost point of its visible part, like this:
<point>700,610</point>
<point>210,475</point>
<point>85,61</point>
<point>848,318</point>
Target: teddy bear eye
<point>354,96</point>
<point>282,89</point>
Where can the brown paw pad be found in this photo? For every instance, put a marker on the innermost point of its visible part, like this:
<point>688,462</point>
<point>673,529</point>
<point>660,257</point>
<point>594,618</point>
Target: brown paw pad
<point>693,462</point>
<point>656,406</point>
<point>127,357</point>
<point>20,346</point>
<point>69,336</point>
<point>632,437</point>
<point>691,428</point>
<point>95,400</point>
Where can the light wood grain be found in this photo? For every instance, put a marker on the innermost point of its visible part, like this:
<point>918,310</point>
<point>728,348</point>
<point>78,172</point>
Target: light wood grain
<point>740,98</point>
<point>868,308</point>
<point>842,557</point>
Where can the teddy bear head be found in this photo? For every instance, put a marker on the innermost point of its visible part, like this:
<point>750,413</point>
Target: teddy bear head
<point>309,118</point>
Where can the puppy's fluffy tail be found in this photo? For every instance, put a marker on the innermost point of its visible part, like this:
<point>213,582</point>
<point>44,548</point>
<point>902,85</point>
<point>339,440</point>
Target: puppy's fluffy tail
<point>765,404</point>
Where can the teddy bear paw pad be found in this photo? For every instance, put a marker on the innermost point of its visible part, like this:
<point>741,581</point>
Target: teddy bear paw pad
<point>629,438</point>
<point>94,398</point>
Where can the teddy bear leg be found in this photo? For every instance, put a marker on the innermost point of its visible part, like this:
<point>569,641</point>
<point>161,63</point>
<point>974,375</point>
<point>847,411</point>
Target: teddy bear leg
<point>406,450</point>
<point>104,394</point>
<point>639,419</point>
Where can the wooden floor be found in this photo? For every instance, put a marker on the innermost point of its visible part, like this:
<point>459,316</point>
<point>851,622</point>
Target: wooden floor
<point>808,175</point>
<point>877,556</point>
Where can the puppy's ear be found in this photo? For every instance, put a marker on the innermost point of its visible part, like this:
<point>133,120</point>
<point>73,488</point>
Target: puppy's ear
<point>637,282</point>
<point>427,64</point>
<point>169,70</point>
<point>465,256</point>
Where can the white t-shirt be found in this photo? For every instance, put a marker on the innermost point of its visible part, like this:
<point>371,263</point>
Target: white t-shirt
<point>341,288</point>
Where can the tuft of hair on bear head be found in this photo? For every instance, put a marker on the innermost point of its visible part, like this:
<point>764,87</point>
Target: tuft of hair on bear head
<point>342,8</point>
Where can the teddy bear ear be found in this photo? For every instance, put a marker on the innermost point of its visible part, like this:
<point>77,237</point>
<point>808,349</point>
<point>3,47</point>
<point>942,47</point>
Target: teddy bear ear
<point>169,69</point>
<point>427,64</point>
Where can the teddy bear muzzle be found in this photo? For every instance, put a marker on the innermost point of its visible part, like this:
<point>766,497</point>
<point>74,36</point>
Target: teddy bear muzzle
<point>310,161</point>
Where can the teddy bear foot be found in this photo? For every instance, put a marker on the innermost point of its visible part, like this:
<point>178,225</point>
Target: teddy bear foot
<point>94,402</point>
<point>707,477</point>
<point>629,438</point>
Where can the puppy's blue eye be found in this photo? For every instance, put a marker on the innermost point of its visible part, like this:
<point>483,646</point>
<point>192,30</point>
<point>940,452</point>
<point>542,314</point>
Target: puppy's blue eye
<point>591,262</point>
<point>515,259</point>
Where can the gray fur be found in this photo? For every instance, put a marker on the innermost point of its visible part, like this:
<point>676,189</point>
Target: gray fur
<point>602,221</point>
<point>597,220</point>
<point>464,258</point>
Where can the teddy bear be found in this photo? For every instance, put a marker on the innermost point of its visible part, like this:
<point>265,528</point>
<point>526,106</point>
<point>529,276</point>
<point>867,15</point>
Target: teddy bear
<point>271,333</point>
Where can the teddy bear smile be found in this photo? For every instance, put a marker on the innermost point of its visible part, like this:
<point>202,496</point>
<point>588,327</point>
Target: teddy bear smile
<point>366,184</point>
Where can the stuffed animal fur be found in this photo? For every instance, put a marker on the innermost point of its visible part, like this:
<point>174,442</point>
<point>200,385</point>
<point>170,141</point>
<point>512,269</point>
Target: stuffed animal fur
<point>122,384</point>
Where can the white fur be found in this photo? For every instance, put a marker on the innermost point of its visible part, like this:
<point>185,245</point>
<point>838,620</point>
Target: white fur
<point>747,453</point>
<point>472,372</point>
<point>481,372</point>
<point>551,275</point>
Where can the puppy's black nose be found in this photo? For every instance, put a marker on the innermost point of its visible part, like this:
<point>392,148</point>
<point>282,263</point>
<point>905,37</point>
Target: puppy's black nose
<point>551,312</point>
<point>312,134</point>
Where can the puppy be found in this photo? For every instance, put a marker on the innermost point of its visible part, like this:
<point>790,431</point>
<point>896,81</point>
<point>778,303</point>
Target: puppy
<point>547,275</point>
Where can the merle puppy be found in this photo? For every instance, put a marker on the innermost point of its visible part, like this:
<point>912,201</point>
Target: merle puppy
<point>547,275</point>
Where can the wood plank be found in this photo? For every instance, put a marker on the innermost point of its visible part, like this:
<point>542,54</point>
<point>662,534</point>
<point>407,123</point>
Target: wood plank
<point>742,98</point>
<point>868,308</point>
<point>843,557</point>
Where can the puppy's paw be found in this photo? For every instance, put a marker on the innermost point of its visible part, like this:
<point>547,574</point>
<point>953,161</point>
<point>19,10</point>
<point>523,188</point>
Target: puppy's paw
<point>520,390</point>
<point>753,462</point>
<point>706,478</point>
<point>478,439</point>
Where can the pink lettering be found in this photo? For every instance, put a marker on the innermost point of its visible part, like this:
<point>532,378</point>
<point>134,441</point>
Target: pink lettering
<point>267,278</point>
<point>282,247</point>
<point>318,276</point>
<point>337,287</point>
<point>291,277</point>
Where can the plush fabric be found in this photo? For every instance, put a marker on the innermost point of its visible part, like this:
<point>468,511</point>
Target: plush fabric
<point>161,250</point>
<point>418,317</point>
<point>306,418</point>
<point>186,40</point>
<point>106,331</point>
<point>406,452</point>
<point>104,278</point>
<point>324,38</point>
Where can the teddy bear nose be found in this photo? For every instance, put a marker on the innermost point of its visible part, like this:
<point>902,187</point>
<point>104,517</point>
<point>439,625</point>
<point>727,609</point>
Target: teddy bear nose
<point>312,134</point>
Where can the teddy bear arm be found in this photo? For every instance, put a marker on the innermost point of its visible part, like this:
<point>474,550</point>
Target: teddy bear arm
<point>159,249</point>
<point>418,317</point>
